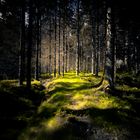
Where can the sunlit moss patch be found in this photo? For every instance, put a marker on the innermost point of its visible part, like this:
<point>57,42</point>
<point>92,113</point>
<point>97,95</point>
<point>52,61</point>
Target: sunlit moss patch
<point>53,123</point>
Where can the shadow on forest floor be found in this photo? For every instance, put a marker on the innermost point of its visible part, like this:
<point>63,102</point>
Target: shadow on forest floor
<point>86,124</point>
<point>17,106</point>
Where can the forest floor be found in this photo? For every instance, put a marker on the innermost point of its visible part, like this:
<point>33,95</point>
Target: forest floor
<point>73,108</point>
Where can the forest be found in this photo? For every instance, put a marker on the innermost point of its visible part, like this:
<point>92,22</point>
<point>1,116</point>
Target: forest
<point>69,70</point>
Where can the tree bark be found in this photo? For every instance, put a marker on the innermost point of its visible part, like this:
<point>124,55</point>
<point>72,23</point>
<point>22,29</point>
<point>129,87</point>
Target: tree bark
<point>63,59</point>
<point>59,43</point>
<point>66,58</point>
<point>30,43</point>
<point>78,38</point>
<point>55,40</point>
<point>50,47</point>
<point>110,52</point>
<point>38,45</point>
<point>22,46</point>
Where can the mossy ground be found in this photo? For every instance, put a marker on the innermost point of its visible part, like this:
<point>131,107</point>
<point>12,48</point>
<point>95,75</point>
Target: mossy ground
<point>71,100</point>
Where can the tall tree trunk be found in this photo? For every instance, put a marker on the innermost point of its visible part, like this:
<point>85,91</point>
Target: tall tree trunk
<point>93,45</point>
<point>50,48</point>
<point>94,26</point>
<point>68,55</point>
<point>97,48</point>
<point>104,38</point>
<point>40,51</point>
<point>55,40</point>
<point>59,41</point>
<point>63,59</point>
<point>30,43</point>
<point>22,46</point>
<point>38,45</point>
<point>110,53</point>
<point>66,59</point>
<point>78,38</point>
<point>97,40</point>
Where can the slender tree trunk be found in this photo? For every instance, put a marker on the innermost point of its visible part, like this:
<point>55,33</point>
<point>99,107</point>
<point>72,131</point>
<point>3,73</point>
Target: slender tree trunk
<point>37,45</point>
<point>97,48</point>
<point>127,43</point>
<point>40,49</point>
<point>78,38</point>
<point>97,41</point>
<point>104,39</point>
<point>22,47</point>
<point>59,41</point>
<point>30,43</point>
<point>50,48</point>
<point>82,57</point>
<point>55,41</point>
<point>92,62</point>
<point>136,60</point>
<point>63,59</point>
<point>93,45</point>
<point>113,46</point>
<point>66,59</point>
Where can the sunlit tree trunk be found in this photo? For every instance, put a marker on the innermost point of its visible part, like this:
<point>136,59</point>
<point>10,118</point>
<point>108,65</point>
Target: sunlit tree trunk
<point>110,52</point>
<point>59,41</point>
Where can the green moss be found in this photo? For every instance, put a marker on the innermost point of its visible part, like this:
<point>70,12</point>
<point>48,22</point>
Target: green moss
<point>74,96</point>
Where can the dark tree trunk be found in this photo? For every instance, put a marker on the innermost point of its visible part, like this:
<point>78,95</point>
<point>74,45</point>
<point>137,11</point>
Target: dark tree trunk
<point>93,46</point>
<point>63,59</point>
<point>93,18</point>
<point>127,43</point>
<point>22,47</point>
<point>66,59</point>
<point>30,43</point>
<point>38,45</point>
<point>97,39</point>
<point>97,47</point>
